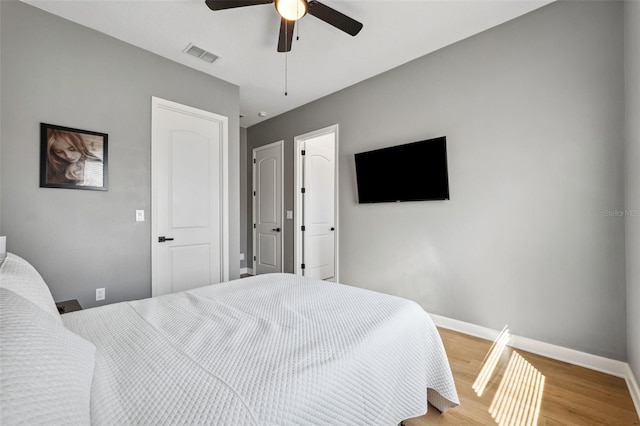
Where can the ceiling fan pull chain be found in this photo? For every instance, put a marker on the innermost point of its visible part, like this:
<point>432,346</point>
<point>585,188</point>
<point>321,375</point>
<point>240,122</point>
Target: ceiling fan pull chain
<point>286,72</point>
<point>286,60</point>
<point>298,26</point>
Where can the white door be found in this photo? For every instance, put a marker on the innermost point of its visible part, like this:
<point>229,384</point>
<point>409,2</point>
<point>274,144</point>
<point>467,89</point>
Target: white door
<point>267,208</point>
<point>189,198</point>
<point>318,210</point>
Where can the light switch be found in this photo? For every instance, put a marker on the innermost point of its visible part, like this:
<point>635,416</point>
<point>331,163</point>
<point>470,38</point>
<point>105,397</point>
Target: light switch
<point>100,294</point>
<point>289,214</point>
<point>139,215</point>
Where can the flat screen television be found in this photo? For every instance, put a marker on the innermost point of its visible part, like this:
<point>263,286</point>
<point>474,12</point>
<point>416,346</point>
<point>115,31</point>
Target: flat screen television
<point>411,172</point>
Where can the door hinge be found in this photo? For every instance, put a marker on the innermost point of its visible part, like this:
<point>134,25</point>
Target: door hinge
<point>254,193</point>
<point>303,152</point>
<point>254,161</point>
<point>254,258</point>
<point>302,228</point>
<point>302,266</point>
<point>302,190</point>
<point>254,226</point>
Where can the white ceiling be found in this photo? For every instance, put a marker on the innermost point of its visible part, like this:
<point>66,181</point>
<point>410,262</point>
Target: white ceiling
<point>323,61</point>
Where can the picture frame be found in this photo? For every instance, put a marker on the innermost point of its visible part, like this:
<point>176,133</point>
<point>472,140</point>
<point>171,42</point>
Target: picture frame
<point>73,158</point>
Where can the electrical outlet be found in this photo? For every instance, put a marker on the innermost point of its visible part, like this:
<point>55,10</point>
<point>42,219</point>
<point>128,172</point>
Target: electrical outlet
<point>100,294</point>
<point>139,215</point>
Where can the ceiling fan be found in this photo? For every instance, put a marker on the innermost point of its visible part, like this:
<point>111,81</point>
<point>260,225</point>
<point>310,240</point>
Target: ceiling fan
<point>292,10</point>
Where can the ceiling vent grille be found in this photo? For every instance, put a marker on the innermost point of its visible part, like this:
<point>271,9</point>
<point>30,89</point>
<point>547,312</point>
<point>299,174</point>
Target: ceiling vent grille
<point>200,53</point>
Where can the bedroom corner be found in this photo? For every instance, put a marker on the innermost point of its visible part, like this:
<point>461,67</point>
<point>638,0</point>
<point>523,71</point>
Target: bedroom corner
<point>632,205</point>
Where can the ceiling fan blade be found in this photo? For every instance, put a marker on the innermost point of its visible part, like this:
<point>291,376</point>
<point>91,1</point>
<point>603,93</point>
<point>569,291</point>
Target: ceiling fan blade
<point>335,18</point>
<point>286,35</point>
<point>230,4</point>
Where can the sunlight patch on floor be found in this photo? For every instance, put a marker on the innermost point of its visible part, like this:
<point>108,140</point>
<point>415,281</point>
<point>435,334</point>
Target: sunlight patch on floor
<point>519,395</point>
<point>490,361</point>
<point>517,401</point>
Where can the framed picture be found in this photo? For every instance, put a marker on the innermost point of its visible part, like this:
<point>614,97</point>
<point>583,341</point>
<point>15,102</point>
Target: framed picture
<point>73,158</point>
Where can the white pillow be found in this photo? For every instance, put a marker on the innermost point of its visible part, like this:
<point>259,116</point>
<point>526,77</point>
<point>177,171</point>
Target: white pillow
<point>19,276</point>
<point>46,371</point>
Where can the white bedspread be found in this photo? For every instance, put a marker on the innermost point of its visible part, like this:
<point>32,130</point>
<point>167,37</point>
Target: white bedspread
<point>268,350</point>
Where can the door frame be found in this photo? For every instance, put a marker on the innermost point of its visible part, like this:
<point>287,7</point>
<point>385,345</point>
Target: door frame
<point>298,179</point>
<point>159,103</point>
<point>253,202</point>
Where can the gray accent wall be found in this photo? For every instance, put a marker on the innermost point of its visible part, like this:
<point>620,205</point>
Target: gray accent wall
<point>533,112</point>
<point>58,72</point>
<point>1,231</point>
<point>249,203</point>
<point>632,91</point>
<point>243,196</point>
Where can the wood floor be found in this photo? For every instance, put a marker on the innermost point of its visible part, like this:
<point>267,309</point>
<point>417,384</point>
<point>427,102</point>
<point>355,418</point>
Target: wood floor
<point>535,390</point>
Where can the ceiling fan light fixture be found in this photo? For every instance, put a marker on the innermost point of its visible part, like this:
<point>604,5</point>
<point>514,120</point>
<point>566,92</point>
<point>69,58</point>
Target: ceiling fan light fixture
<point>291,10</point>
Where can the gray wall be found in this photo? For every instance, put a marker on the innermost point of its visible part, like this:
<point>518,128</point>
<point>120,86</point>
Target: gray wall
<point>248,202</point>
<point>1,231</point>
<point>534,115</point>
<point>632,74</point>
<point>243,195</point>
<point>55,71</point>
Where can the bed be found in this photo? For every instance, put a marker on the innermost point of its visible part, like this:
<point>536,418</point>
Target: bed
<point>274,349</point>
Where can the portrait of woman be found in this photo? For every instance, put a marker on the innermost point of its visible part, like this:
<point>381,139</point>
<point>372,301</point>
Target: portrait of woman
<point>72,158</point>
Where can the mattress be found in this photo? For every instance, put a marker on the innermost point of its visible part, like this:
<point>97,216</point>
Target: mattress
<point>274,349</point>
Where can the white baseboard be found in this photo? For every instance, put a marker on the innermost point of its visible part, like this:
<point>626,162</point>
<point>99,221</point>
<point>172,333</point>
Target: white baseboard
<point>571,356</point>
<point>634,390</point>
<point>246,271</point>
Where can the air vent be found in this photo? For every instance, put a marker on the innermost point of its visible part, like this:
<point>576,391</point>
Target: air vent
<point>200,53</point>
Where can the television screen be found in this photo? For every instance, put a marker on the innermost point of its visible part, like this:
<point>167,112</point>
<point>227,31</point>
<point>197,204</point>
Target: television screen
<point>412,172</point>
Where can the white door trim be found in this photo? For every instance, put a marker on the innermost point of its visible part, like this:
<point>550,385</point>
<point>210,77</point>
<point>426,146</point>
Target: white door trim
<point>158,103</point>
<point>297,179</point>
<point>253,200</point>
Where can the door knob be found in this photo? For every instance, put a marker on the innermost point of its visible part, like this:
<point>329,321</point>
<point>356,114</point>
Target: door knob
<point>276,229</point>
<point>333,229</point>
<point>163,239</point>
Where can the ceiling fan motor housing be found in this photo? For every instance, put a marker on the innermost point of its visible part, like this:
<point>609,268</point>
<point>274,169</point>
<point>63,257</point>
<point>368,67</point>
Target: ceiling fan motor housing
<point>292,10</point>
